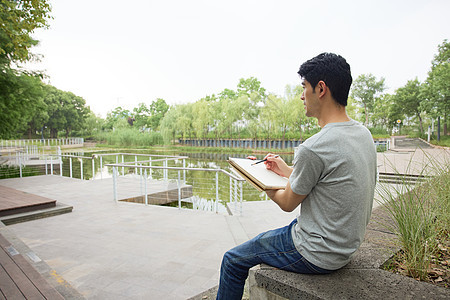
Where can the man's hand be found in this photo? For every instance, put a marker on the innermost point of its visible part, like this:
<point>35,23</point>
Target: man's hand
<point>278,165</point>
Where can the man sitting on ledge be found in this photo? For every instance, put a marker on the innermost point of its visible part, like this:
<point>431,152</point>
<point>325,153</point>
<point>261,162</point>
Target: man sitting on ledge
<point>333,177</point>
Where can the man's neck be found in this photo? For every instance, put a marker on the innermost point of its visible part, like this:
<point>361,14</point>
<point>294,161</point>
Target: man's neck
<point>335,114</point>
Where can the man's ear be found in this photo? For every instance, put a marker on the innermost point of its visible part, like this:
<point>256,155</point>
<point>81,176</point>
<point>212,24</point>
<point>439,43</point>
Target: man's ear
<point>322,88</point>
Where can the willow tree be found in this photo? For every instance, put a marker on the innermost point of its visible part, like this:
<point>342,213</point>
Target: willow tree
<point>364,90</point>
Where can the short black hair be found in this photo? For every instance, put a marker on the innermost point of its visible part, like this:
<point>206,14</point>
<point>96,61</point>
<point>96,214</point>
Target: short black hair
<point>331,68</point>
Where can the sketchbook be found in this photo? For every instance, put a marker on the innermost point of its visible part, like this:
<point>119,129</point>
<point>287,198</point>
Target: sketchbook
<point>257,175</point>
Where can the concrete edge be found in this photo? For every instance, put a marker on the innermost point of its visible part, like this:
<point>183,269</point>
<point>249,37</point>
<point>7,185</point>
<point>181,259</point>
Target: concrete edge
<point>206,295</point>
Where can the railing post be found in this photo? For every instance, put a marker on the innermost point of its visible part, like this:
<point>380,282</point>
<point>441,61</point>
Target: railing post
<point>46,167</point>
<point>81,168</point>
<point>101,167</point>
<point>179,190</point>
<point>165,170</point>
<point>235,195</point>
<point>184,171</point>
<point>51,165</point>
<point>145,187</point>
<point>115,183</point>
<point>135,163</point>
<point>242,188</point>
<point>60,166</point>
<point>231,189</point>
<point>140,181</point>
<point>93,168</point>
<point>217,192</point>
<point>20,165</point>
<point>123,168</point>
<point>70,166</point>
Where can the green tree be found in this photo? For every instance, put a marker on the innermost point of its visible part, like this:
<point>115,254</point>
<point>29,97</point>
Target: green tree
<point>169,125</point>
<point>296,114</point>
<point>352,109</point>
<point>21,98</point>
<point>184,121</point>
<point>158,109</point>
<point>93,124</point>
<point>19,19</point>
<point>66,111</point>
<point>437,87</point>
<point>202,110</point>
<point>409,99</point>
<point>141,114</point>
<point>115,116</point>
<point>20,92</point>
<point>364,90</point>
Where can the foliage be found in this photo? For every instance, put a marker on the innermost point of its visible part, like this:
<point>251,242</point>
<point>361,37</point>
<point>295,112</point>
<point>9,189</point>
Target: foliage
<point>365,89</point>
<point>14,171</point>
<point>21,97</point>
<point>422,215</point>
<point>20,92</point>
<point>129,137</point>
<point>19,20</point>
<point>148,116</point>
<point>408,100</point>
<point>437,88</point>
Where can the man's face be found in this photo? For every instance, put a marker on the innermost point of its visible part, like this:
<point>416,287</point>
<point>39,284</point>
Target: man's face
<point>310,100</point>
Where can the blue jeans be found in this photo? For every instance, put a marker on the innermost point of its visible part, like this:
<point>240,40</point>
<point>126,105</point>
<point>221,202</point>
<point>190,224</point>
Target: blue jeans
<point>274,247</point>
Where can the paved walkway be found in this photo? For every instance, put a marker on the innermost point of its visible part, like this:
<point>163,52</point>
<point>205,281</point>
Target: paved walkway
<point>109,250</point>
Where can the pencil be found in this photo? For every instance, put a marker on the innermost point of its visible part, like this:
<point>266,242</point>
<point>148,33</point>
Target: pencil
<point>265,159</point>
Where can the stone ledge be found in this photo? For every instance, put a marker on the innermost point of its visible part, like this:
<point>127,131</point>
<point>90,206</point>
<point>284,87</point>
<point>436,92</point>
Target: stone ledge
<point>362,278</point>
<point>342,284</point>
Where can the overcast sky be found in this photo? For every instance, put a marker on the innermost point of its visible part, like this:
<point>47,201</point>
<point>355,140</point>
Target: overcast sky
<point>120,53</point>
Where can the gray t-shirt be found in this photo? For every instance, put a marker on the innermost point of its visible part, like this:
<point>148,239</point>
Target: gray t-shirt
<point>337,169</point>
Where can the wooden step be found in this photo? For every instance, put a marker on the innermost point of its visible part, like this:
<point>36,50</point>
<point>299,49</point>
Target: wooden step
<point>18,279</point>
<point>13,202</point>
<point>59,209</point>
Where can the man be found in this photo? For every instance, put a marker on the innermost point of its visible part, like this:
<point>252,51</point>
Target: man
<point>333,177</point>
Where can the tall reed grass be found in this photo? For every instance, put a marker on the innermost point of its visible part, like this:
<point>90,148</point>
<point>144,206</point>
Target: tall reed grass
<point>421,215</point>
<point>130,137</point>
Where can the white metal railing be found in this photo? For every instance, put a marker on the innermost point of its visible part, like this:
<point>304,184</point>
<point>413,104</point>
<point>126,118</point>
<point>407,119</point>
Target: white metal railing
<point>41,142</point>
<point>142,166</point>
<point>235,187</point>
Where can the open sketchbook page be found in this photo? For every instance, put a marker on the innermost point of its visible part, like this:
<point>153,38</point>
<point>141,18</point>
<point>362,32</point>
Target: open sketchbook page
<point>258,174</point>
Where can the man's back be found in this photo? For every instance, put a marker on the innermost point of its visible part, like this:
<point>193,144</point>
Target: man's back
<point>336,168</point>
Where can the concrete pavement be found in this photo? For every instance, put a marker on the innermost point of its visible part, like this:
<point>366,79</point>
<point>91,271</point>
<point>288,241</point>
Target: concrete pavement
<point>109,250</point>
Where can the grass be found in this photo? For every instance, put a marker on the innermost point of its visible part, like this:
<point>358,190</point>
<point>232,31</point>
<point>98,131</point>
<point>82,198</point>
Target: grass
<point>14,172</point>
<point>444,141</point>
<point>129,137</point>
<point>421,215</point>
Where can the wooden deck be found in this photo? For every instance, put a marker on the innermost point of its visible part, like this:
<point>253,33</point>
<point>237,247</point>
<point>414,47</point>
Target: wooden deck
<point>18,278</point>
<point>13,202</point>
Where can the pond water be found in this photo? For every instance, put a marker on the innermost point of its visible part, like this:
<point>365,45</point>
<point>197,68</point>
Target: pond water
<point>203,182</point>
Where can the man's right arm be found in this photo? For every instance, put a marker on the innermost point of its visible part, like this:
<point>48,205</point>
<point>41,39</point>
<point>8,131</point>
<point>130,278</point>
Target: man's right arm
<point>286,199</point>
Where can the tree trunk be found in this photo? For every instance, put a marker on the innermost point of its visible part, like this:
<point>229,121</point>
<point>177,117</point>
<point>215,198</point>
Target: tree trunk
<point>445,124</point>
<point>367,115</point>
<point>420,122</point>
